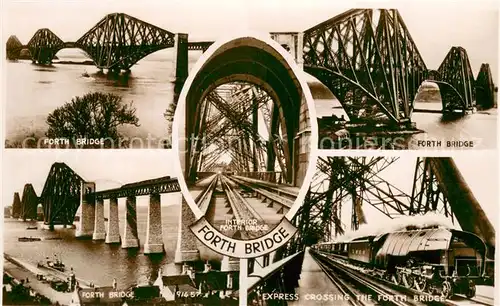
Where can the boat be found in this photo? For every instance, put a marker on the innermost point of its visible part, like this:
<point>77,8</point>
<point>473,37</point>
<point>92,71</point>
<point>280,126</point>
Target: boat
<point>54,264</point>
<point>28,239</point>
<point>33,227</point>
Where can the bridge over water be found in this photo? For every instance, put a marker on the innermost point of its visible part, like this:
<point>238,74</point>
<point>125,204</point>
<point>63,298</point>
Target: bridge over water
<point>64,192</point>
<point>366,57</point>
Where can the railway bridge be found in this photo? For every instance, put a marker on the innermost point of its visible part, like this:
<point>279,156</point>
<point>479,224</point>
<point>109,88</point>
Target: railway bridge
<point>347,192</point>
<point>366,57</point>
<point>65,193</point>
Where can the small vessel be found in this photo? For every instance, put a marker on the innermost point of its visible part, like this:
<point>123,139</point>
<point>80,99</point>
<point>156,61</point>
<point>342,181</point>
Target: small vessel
<point>85,74</point>
<point>32,227</point>
<point>54,264</point>
<point>28,239</point>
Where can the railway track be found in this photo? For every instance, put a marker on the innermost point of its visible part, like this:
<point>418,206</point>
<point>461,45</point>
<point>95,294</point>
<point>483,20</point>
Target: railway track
<point>250,207</point>
<point>380,290</point>
<point>363,290</point>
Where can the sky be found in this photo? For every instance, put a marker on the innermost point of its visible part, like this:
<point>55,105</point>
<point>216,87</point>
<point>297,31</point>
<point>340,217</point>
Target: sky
<point>434,27</point>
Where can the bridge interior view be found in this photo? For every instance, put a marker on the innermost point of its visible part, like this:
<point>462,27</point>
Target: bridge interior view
<point>341,219</point>
<point>242,161</point>
<point>248,147</point>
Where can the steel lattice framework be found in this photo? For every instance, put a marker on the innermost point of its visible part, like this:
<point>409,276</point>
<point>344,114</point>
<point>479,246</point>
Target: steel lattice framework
<point>61,195</point>
<point>438,187</point>
<point>44,45</point>
<point>456,81</point>
<point>119,41</point>
<point>29,203</point>
<point>230,126</point>
<point>13,48</point>
<point>372,66</point>
<point>337,180</point>
<point>16,206</point>
<point>486,91</point>
<point>427,194</point>
<point>164,184</point>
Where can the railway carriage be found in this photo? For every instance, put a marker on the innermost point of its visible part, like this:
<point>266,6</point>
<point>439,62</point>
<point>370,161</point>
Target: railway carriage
<point>435,260</point>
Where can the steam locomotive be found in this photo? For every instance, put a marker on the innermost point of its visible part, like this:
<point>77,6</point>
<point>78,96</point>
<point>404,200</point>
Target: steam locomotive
<point>434,260</point>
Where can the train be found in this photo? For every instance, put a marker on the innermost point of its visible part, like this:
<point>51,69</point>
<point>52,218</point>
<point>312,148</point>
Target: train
<point>435,260</point>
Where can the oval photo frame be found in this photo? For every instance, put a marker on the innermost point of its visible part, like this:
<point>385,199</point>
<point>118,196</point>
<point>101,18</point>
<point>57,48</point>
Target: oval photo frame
<point>201,228</point>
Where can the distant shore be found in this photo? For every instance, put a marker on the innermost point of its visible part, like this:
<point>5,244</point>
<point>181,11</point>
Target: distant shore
<point>86,62</point>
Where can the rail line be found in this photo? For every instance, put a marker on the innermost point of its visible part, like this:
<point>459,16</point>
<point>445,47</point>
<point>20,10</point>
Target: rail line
<point>243,200</point>
<point>377,287</point>
<point>381,294</point>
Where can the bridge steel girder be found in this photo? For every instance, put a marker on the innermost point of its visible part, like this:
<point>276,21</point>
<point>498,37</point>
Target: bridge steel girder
<point>335,180</point>
<point>13,48</point>
<point>486,91</point>
<point>199,45</point>
<point>427,194</point>
<point>16,206</point>
<point>456,81</point>
<point>160,185</point>
<point>29,203</point>
<point>61,195</point>
<point>118,41</point>
<point>44,45</point>
<point>374,70</point>
<point>243,62</point>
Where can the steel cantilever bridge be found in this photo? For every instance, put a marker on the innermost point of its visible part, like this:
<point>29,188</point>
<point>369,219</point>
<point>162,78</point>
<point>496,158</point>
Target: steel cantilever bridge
<point>366,57</point>
<point>116,42</point>
<point>64,192</point>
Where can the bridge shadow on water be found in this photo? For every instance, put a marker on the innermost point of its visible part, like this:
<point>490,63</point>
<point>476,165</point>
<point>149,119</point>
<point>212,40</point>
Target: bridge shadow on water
<point>124,79</point>
<point>452,117</point>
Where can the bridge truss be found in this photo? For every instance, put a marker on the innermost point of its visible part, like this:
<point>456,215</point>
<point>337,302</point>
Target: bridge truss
<point>61,195</point>
<point>119,41</point>
<point>16,206</point>
<point>357,181</point>
<point>13,48</point>
<point>116,42</point>
<point>160,185</point>
<point>29,203</point>
<point>44,45</point>
<point>369,61</point>
<point>240,131</point>
<point>63,192</point>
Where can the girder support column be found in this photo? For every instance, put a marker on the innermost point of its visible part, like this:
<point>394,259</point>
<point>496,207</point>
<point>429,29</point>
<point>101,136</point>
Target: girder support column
<point>187,249</point>
<point>181,63</point>
<point>113,230</point>
<point>99,228</point>
<point>302,144</point>
<point>154,235</point>
<point>85,227</point>
<point>130,239</point>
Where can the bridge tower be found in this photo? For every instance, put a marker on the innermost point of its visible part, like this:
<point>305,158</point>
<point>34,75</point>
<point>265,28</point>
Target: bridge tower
<point>16,206</point>
<point>86,225</point>
<point>13,47</point>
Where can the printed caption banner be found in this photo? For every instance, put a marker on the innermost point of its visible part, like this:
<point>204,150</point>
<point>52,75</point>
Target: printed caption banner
<point>218,242</point>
